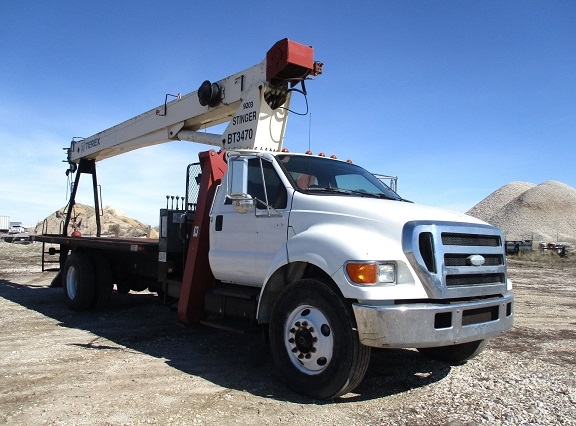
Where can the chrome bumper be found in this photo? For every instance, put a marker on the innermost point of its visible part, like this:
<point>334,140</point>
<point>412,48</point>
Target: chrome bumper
<point>420,325</point>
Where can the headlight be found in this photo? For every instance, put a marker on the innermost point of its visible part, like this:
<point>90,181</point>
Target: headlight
<point>371,273</point>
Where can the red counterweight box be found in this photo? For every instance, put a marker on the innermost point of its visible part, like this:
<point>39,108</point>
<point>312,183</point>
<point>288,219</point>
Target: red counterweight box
<point>288,59</point>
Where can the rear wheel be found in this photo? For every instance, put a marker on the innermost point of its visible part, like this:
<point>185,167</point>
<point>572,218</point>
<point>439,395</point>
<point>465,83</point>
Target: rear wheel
<point>455,353</point>
<point>314,342</point>
<point>78,282</point>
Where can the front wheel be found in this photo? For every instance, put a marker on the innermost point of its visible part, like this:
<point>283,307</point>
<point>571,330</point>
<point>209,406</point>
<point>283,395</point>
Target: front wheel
<point>456,354</point>
<point>314,341</point>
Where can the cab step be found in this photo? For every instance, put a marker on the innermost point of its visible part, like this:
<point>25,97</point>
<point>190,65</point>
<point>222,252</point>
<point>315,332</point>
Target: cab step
<point>229,301</point>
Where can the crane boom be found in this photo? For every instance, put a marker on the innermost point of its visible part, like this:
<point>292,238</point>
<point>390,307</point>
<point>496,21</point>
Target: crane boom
<point>254,102</point>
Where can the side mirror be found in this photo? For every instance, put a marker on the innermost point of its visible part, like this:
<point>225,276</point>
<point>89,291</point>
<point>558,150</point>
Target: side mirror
<point>237,188</point>
<point>237,185</point>
<point>243,206</point>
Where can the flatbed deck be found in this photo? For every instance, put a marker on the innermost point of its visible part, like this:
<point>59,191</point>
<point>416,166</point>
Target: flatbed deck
<point>108,243</point>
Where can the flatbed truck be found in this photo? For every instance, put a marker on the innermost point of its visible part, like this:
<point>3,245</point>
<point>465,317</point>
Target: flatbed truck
<point>316,251</point>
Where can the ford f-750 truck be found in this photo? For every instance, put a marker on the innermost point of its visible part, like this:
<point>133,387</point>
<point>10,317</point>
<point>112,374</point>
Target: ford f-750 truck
<point>316,251</point>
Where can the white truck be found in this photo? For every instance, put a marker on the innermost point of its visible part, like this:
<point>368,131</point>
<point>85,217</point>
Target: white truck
<point>16,228</point>
<point>316,251</point>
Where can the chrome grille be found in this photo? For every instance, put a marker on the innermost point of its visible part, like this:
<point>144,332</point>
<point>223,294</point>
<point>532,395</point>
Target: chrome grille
<point>451,239</point>
<point>456,259</point>
<point>451,259</point>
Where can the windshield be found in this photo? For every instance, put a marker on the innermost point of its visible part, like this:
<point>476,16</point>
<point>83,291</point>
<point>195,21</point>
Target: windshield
<point>321,175</point>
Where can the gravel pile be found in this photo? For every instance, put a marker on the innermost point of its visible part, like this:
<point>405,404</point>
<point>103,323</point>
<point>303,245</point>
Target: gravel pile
<point>486,208</point>
<point>113,223</point>
<point>524,211</point>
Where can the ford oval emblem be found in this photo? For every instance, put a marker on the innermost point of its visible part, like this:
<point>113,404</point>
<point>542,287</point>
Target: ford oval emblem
<point>476,260</point>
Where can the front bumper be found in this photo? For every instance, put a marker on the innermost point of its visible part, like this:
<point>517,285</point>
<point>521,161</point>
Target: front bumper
<point>420,325</point>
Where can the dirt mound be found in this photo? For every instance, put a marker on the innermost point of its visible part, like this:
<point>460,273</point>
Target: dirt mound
<point>113,222</point>
<point>524,211</point>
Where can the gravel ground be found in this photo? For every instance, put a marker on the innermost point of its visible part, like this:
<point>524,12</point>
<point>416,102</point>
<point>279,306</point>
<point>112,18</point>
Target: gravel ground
<point>132,364</point>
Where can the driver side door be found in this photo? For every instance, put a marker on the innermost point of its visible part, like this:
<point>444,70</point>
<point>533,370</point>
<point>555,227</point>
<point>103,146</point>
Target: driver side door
<point>244,245</point>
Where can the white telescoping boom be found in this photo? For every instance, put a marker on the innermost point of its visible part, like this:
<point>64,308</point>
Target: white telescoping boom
<point>254,101</point>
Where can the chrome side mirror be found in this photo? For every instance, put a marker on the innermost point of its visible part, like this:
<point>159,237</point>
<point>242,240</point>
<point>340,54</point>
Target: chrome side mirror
<point>243,206</point>
<point>237,184</point>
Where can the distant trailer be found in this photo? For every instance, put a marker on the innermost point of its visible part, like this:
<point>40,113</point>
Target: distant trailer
<point>15,238</point>
<point>555,247</point>
<point>4,223</point>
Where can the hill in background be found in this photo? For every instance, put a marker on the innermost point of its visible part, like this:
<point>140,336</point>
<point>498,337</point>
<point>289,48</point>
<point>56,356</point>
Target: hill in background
<point>113,222</point>
<point>524,211</point>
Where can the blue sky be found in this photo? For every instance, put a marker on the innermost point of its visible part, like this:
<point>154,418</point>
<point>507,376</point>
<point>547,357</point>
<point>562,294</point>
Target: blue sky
<point>456,98</point>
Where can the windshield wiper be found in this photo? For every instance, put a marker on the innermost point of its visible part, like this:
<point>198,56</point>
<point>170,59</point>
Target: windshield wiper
<point>347,192</point>
<point>330,190</point>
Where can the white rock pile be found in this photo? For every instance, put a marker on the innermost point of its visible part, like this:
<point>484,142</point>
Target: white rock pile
<point>524,211</point>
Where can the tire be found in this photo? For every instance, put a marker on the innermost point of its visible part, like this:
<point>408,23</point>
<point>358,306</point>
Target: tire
<point>78,282</point>
<point>103,285</point>
<point>455,354</point>
<point>314,341</point>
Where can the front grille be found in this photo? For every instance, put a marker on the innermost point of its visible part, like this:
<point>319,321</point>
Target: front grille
<point>456,259</point>
<point>451,239</point>
<point>451,259</point>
